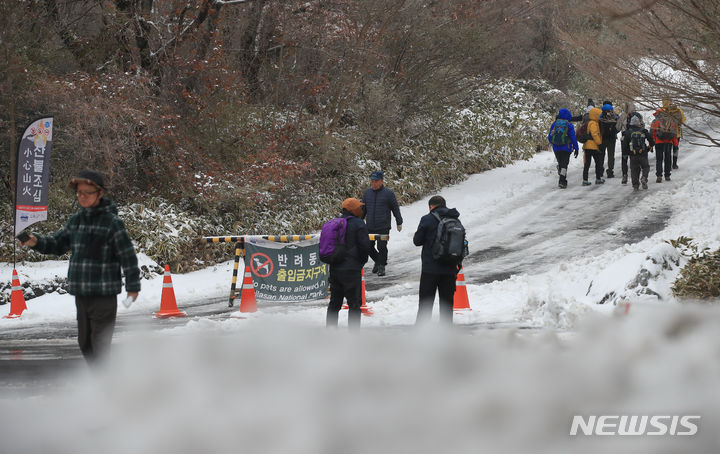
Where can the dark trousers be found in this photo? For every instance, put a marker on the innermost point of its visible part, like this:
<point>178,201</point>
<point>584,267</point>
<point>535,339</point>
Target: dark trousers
<point>625,164</point>
<point>380,254</point>
<point>444,284</point>
<point>96,324</point>
<point>563,159</point>
<point>639,163</point>
<point>676,151</point>
<point>598,156</point>
<point>663,158</point>
<point>608,147</point>
<point>344,284</point>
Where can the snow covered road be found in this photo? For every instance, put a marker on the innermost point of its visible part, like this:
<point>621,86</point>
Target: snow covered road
<point>536,351</point>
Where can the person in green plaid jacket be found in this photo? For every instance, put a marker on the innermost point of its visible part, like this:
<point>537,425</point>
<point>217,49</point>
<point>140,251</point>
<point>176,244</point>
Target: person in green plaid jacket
<point>100,247</point>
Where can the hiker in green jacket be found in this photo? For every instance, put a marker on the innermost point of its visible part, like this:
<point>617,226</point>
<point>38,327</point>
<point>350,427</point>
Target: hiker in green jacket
<point>100,248</point>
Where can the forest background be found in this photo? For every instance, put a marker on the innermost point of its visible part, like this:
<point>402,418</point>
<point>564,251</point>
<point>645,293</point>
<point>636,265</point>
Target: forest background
<point>218,117</point>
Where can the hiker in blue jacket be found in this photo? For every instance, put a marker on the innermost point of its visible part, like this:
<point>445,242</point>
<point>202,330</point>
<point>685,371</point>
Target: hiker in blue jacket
<point>379,203</point>
<point>346,277</point>
<point>436,276</point>
<point>562,138</point>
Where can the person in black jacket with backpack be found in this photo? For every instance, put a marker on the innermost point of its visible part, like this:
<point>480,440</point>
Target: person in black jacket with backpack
<point>379,203</point>
<point>346,277</point>
<point>435,276</point>
<point>608,130</point>
<point>634,142</point>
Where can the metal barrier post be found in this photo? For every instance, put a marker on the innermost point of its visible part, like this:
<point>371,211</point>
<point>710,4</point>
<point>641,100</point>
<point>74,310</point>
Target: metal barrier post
<point>239,249</point>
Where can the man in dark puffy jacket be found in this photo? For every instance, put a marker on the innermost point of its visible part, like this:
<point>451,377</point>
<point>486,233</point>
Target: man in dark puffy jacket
<point>379,203</point>
<point>100,248</point>
<point>346,277</point>
<point>435,276</point>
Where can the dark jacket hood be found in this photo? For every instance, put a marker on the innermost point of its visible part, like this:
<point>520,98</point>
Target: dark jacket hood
<point>446,212</point>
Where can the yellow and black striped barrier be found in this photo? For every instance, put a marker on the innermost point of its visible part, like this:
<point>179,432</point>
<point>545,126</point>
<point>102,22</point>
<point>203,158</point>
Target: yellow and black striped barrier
<point>240,249</point>
<point>277,238</point>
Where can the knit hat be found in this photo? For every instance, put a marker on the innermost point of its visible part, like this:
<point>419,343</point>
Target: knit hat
<point>607,107</point>
<point>590,102</point>
<point>377,175</point>
<point>88,177</point>
<point>353,205</point>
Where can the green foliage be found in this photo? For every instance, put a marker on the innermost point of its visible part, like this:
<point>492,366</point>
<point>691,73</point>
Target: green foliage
<point>700,277</point>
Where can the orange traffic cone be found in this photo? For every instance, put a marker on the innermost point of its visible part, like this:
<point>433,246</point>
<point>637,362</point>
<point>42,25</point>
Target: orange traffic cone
<point>248,303</point>
<point>168,305</point>
<point>460,300</point>
<point>363,307</point>
<point>17,298</point>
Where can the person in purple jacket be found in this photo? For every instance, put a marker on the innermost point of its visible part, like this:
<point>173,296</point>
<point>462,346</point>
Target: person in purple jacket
<point>562,138</point>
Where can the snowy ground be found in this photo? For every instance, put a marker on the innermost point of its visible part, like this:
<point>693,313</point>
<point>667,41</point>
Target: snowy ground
<point>535,350</point>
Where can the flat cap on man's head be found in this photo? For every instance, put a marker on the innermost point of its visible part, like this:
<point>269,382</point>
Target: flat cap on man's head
<point>377,175</point>
<point>88,177</point>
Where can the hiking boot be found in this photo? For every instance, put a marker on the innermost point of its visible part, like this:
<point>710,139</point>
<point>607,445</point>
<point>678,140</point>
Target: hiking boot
<point>610,173</point>
<point>600,181</point>
<point>586,183</point>
<point>624,178</point>
<point>658,180</point>
<point>375,268</point>
<point>644,183</point>
<point>562,185</point>
<point>675,166</point>
<point>381,270</point>
<point>636,188</point>
<point>667,178</point>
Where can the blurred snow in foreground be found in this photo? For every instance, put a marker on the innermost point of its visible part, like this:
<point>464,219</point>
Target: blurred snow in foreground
<point>281,388</point>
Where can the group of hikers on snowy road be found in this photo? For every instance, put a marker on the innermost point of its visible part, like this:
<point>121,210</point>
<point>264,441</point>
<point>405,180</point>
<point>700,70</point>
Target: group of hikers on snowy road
<point>598,133</point>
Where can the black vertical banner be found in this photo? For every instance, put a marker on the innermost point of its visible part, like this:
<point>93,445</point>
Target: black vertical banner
<point>32,179</point>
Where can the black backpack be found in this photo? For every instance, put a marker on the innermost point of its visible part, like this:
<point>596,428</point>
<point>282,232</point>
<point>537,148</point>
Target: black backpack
<point>637,142</point>
<point>583,133</point>
<point>450,245</point>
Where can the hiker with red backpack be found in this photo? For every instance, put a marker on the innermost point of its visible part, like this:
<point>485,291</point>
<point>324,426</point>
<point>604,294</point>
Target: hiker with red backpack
<point>679,116</point>
<point>634,141</point>
<point>608,130</point>
<point>562,138</point>
<point>664,133</point>
<point>344,245</point>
